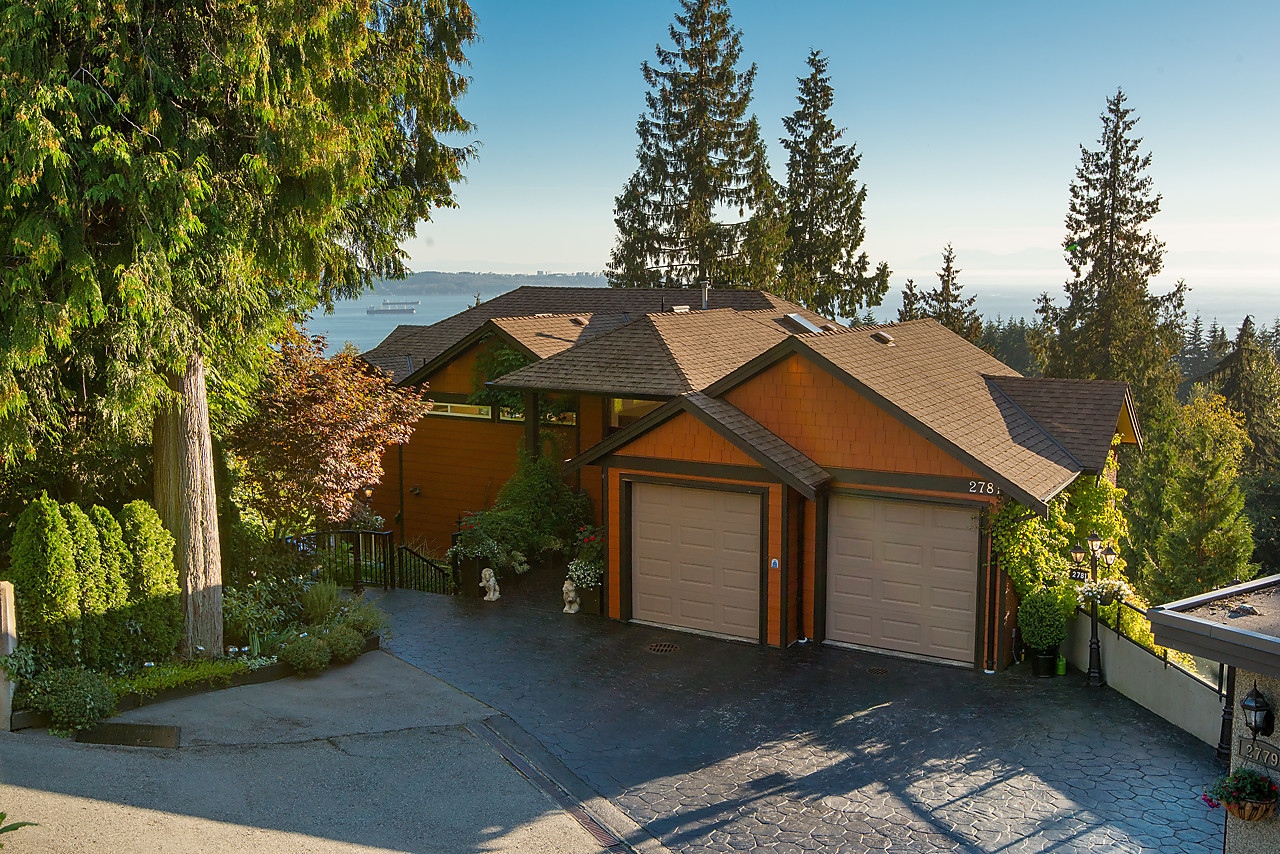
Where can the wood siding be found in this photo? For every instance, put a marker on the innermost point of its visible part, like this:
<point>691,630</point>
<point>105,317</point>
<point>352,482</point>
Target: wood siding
<point>834,425</point>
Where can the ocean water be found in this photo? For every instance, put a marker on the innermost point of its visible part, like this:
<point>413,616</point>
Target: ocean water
<point>349,322</point>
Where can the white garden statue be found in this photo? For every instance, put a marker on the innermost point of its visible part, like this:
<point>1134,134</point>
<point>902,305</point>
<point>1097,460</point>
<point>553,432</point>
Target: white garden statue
<point>490,583</point>
<point>571,600</point>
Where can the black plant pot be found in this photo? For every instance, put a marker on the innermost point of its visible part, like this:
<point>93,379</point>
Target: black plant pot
<point>1044,662</point>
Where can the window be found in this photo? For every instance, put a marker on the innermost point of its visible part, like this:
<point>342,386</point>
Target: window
<point>624,411</point>
<point>565,419</point>
<point>462,410</point>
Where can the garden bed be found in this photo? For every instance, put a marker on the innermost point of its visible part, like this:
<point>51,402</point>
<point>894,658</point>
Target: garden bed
<point>27,719</point>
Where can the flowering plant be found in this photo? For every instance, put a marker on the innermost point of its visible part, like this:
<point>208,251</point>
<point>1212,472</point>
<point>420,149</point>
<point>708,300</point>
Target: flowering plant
<point>587,568</point>
<point>488,535</point>
<point>1104,591</point>
<point>1242,784</point>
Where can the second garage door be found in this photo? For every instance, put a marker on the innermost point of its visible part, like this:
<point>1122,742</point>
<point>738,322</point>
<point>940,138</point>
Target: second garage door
<point>902,576</point>
<point>696,558</point>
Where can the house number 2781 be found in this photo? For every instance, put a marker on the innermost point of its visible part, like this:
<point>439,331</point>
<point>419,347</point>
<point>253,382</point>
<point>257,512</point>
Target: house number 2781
<point>983,487</point>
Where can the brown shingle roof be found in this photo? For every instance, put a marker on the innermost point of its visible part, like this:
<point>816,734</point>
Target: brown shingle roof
<point>546,335</point>
<point>424,343</point>
<point>1081,414</point>
<point>764,446</point>
<point>658,355</point>
<point>945,386</point>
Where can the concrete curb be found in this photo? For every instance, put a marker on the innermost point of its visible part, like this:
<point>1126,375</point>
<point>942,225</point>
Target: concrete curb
<point>633,837</point>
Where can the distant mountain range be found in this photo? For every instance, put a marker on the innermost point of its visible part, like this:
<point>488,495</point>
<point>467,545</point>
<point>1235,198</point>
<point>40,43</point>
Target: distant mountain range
<point>434,282</point>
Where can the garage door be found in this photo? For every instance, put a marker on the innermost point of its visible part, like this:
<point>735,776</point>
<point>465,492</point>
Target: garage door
<point>902,576</point>
<point>696,559</point>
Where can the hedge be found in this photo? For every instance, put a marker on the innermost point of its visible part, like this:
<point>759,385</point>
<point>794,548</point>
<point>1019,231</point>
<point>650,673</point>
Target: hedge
<point>87,550</point>
<point>115,654</point>
<point>42,567</point>
<point>155,608</point>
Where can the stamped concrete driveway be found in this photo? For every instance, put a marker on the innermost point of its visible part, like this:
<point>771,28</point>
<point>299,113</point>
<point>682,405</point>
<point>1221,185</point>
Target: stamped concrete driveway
<point>723,746</point>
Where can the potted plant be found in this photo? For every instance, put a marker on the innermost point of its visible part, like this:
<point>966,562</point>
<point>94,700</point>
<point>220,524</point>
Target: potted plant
<point>1247,794</point>
<point>1104,591</point>
<point>1043,624</point>
<point>586,570</point>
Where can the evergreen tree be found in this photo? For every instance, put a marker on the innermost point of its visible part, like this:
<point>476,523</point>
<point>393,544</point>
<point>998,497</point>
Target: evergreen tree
<point>912,303</point>
<point>1248,377</point>
<point>946,305</point>
<point>699,154</point>
<point>1112,327</point>
<point>1193,360</point>
<point>822,268</point>
<point>1207,538</point>
<point>180,179</point>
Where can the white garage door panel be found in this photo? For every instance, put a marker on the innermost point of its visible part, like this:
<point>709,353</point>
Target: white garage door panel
<point>902,576</point>
<point>708,543</point>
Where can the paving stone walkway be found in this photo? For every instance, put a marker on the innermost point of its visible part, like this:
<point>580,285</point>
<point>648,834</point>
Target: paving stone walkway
<point>722,746</point>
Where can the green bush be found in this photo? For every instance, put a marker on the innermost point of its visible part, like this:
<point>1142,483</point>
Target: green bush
<point>153,582</point>
<point>261,609</point>
<point>1042,618</point>
<point>319,602</point>
<point>345,643</point>
<point>250,553</point>
<point>92,583</point>
<point>306,654</point>
<point>364,618</point>
<point>74,698</point>
<point>113,654</point>
<point>547,511</point>
<point>42,568</point>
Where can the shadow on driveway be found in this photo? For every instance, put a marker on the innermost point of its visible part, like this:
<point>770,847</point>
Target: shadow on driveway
<point>724,746</point>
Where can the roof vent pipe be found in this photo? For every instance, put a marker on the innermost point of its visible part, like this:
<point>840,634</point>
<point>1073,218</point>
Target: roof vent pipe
<point>706,292</point>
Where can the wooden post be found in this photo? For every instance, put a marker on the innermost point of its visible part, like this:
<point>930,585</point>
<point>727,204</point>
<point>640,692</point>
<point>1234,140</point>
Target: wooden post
<point>8,642</point>
<point>532,445</point>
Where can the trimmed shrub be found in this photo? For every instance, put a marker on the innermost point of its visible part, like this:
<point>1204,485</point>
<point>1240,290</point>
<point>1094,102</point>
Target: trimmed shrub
<point>319,602</point>
<point>42,568</point>
<point>365,618</point>
<point>74,698</point>
<point>92,582</point>
<point>153,583</point>
<point>1042,618</point>
<point>306,654</point>
<point>114,651</point>
<point>345,643</point>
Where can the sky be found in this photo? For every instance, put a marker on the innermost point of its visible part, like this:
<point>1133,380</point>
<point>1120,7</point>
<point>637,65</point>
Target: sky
<point>969,118</point>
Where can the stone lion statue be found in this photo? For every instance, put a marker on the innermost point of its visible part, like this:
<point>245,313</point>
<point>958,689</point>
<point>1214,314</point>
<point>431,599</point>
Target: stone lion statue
<point>489,582</point>
<point>571,600</point>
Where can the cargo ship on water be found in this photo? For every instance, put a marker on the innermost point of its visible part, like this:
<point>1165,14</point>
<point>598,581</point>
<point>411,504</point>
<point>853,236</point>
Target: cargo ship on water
<point>395,307</point>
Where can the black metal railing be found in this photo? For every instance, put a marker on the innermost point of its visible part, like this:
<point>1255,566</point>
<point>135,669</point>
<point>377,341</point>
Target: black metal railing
<point>1217,686</point>
<point>358,558</point>
<point>348,558</point>
<point>416,571</point>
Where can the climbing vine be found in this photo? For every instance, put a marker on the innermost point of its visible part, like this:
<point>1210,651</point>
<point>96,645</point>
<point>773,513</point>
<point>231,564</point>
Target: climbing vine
<point>496,360</point>
<point>1035,550</point>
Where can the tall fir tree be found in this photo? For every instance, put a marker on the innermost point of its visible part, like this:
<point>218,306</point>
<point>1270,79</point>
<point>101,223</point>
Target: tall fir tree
<point>700,155</point>
<point>822,267</point>
<point>912,307</point>
<point>1199,538</point>
<point>946,305</point>
<point>1112,326</point>
<point>1248,377</point>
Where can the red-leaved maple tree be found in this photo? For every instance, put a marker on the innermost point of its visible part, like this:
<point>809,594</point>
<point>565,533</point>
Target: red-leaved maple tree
<point>318,435</point>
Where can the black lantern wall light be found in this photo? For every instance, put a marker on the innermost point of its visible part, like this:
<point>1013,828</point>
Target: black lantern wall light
<point>1258,716</point>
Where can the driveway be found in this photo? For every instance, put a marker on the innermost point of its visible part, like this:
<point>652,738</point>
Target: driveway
<point>724,746</point>
<point>373,757</point>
